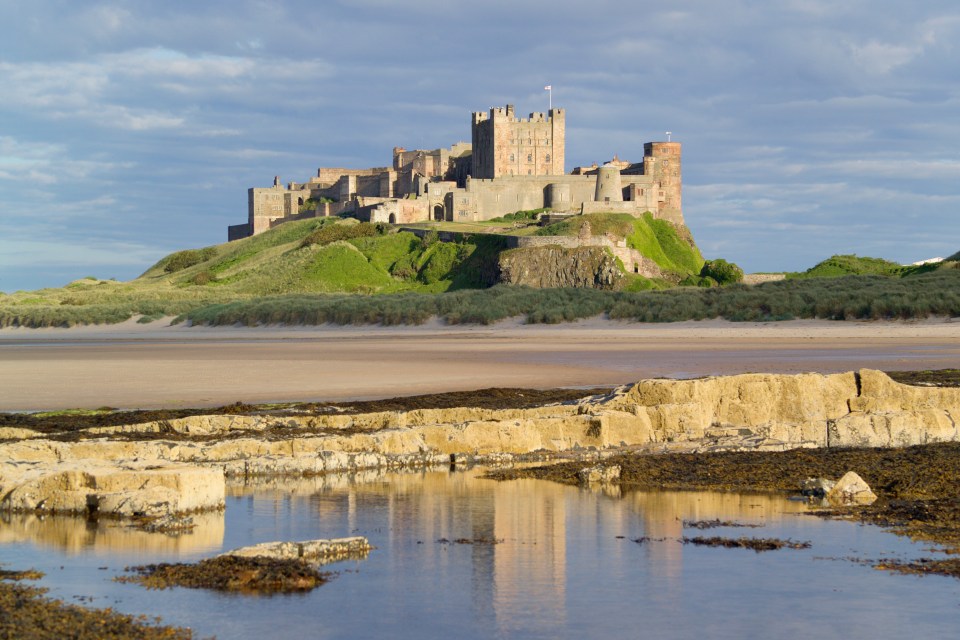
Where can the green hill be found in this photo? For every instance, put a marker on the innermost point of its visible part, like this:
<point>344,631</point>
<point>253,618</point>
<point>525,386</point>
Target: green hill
<point>854,265</point>
<point>321,270</point>
<point>671,247</point>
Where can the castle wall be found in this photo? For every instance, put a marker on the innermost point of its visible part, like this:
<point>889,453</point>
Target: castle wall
<point>263,206</point>
<point>330,175</point>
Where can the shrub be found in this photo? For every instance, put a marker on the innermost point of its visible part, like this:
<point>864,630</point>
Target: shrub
<point>204,277</point>
<point>334,232</point>
<point>721,271</point>
<point>183,259</point>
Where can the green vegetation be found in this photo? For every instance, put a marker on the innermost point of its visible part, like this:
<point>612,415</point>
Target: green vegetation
<point>669,246</point>
<point>311,271</point>
<point>324,255</point>
<point>311,203</point>
<point>528,215</point>
<point>333,232</point>
<point>721,272</point>
<point>849,265</point>
<point>849,298</point>
<point>183,259</point>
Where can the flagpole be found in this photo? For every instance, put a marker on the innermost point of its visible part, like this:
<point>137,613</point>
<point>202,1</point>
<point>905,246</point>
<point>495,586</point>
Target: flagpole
<point>549,90</point>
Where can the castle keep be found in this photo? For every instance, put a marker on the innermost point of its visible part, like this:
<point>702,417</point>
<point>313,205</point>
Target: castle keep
<point>511,164</point>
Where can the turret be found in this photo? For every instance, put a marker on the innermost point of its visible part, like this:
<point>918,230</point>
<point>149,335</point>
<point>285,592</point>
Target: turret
<point>609,185</point>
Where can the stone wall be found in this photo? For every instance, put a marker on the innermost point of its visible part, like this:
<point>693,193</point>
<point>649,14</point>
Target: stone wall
<point>760,278</point>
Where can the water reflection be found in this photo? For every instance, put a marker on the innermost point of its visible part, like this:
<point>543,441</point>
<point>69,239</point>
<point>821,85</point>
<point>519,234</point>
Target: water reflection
<point>567,565</point>
<point>522,582</point>
<point>75,535</point>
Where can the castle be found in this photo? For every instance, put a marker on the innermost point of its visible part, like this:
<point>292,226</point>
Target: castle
<point>511,164</point>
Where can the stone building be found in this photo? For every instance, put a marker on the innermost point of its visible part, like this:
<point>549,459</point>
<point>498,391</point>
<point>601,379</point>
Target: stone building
<point>512,164</point>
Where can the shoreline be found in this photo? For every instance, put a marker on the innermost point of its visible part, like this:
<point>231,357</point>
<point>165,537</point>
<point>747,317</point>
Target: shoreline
<point>131,330</point>
<point>131,366</point>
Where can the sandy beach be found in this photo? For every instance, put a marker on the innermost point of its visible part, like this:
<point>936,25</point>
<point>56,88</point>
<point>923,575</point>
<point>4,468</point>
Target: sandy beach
<point>156,365</point>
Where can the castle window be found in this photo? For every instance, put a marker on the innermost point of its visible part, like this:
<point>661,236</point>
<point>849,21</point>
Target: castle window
<point>511,157</point>
<point>548,157</point>
<point>529,157</point>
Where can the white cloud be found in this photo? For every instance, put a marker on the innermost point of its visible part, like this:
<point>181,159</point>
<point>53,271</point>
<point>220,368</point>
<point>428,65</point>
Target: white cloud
<point>881,57</point>
<point>114,90</point>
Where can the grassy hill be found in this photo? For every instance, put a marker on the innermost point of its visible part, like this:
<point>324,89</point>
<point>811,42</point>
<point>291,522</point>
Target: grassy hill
<point>322,270</point>
<point>306,257</point>
<point>671,247</point>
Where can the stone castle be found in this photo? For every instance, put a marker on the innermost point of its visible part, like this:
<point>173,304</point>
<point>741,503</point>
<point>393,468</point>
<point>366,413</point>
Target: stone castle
<point>512,164</point>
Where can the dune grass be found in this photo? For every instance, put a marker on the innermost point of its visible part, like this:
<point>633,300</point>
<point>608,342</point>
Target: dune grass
<point>849,298</point>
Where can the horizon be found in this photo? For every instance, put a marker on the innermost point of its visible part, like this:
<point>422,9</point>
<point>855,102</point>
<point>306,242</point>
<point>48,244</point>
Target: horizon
<point>132,131</point>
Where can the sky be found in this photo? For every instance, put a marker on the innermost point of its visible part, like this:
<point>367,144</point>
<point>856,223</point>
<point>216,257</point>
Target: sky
<point>132,129</point>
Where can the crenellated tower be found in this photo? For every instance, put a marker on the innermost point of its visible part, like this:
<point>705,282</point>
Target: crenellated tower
<point>504,145</point>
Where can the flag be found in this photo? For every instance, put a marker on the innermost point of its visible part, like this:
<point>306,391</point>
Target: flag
<point>548,88</point>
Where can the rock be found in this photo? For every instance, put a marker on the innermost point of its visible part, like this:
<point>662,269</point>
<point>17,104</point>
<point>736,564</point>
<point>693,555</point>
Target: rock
<point>18,433</point>
<point>554,266</point>
<point>599,474</point>
<point>741,412</point>
<point>851,489</point>
<point>96,487</point>
<point>314,551</point>
<point>816,487</point>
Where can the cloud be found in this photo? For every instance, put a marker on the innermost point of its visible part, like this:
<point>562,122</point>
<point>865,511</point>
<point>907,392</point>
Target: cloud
<point>122,90</point>
<point>808,125</point>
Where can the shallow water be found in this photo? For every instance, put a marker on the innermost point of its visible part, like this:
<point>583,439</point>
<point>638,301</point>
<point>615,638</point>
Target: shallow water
<point>567,565</point>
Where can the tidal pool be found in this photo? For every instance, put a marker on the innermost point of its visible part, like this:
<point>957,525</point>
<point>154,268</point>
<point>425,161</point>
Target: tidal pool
<point>565,565</point>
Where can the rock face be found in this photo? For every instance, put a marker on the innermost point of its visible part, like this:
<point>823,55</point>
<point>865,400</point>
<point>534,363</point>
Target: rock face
<point>553,266</point>
<point>761,411</point>
<point>122,490</point>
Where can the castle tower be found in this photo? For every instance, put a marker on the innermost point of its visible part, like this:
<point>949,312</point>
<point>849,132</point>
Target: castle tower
<point>609,185</point>
<point>661,160</point>
<point>504,145</point>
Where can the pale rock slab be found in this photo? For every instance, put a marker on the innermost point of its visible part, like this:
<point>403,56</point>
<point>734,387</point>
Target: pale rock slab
<point>851,489</point>
<point>114,490</point>
<point>314,551</point>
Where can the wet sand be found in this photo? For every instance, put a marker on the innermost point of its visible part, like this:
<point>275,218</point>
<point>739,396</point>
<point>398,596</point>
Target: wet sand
<point>147,366</point>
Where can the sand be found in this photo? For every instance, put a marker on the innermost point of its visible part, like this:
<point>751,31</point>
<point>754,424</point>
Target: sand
<point>156,365</point>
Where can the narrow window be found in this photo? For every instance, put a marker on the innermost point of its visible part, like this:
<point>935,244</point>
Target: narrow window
<point>529,157</point>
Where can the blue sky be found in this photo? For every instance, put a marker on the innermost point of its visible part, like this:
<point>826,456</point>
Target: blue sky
<point>131,129</point>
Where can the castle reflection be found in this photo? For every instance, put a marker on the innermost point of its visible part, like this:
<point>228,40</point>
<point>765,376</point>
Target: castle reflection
<point>515,532</point>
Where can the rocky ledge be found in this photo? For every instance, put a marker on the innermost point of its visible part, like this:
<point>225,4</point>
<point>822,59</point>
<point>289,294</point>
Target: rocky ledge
<point>176,466</point>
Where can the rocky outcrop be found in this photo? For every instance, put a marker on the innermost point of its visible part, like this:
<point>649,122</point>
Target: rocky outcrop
<point>553,266</point>
<point>93,486</point>
<point>153,476</point>
<point>313,551</point>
